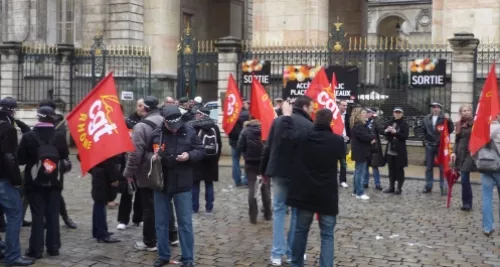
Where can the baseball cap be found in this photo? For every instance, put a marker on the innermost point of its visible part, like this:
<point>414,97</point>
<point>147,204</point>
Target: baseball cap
<point>151,102</point>
<point>172,116</point>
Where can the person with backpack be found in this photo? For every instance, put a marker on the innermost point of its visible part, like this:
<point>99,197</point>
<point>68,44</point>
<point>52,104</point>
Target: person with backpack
<point>208,169</point>
<point>10,180</point>
<point>251,146</point>
<point>45,153</point>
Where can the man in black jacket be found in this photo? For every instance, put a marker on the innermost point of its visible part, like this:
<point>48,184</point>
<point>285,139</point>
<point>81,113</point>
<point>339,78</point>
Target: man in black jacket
<point>238,179</point>
<point>313,183</point>
<point>277,165</point>
<point>10,180</point>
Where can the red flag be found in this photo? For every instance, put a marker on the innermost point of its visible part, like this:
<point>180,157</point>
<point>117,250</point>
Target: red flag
<point>487,110</point>
<point>98,127</point>
<point>261,107</point>
<point>320,90</point>
<point>443,157</point>
<point>231,106</point>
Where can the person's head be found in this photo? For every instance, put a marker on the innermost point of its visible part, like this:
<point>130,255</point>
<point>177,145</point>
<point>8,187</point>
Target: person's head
<point>8,106</point>
<point>370,113</point>
<point>279,102</point>
<point>47,103</point>
<point>465,111</point>
<point>323,117</point>
<point>342,106</point>
<point>358,115</point>
<point>397,113</point>
<point>150,104</point>
<point>198,100</point>
<point>436,108</point>
<point>169,100</point>
<point>202,113</point>
<point>305,103</point>
<point>246,105</point>
<point>46,114</point>
<point>139,107</point>
<point>184,102</point>
<point>172,118</point>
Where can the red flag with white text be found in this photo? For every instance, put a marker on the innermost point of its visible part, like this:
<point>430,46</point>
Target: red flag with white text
<point>261,107</point>
<point>231,106</point>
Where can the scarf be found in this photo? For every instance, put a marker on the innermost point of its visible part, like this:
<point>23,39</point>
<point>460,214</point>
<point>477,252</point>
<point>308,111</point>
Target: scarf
<point>463,123</point>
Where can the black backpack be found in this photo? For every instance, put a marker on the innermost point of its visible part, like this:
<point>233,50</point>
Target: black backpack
<point>209,141</point>
<point>46,171</point>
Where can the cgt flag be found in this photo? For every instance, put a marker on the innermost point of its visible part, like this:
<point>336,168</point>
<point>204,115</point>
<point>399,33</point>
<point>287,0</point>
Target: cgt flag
<point>261,107</point>
<point>320,90</point>
<point>232,106</point>
<point>98,127</point>
<point>487,109</point>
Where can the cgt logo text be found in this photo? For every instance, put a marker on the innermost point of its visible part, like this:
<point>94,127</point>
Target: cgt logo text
<point>94,124</point>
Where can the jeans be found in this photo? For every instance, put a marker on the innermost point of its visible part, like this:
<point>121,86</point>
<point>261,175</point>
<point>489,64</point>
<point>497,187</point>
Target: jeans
<point>44,204</point>
<point>183,209</point>
<point>209,195</point>
<point>99,222</point>
<point>466,190</point>
<point>265,192</point>
<point>10,200</point>
<point>488,181</point>
<point>376,176</point>
<point>343,167</point>
<point>280,245</point>
<point>125,207</point>
<point>235,156</point>
<point>326,226</point>
<point>359,173</point>
<point>430,155</point>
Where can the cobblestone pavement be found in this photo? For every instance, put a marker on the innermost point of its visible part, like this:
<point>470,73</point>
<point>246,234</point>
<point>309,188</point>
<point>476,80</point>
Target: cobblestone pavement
<point>408,230</point>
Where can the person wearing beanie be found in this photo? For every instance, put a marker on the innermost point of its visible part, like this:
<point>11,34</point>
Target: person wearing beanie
<point>313,174</point>
<point>45,153</point>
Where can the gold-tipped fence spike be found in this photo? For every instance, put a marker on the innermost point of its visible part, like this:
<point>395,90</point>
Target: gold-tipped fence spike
<point>366,42</point>
<point>391,46</point>
<point>355,43</point>
<point>386,43</point>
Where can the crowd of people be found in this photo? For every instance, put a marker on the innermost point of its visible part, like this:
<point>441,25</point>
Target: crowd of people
<point>178,145</point>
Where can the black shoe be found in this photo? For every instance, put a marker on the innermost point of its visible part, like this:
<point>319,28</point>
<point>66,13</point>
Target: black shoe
<point>69,223</point>
<point>190,264</point>
<point>253,221</point>
<point>378,187</point>
<point>465,208</point>
<point>160,263</point>
<point>398,191</point>
<point>488,233</point>
<point>108,240</point>
<point>443,191</point>
<point>32,255</point>
<point>427,190</point>
<point>53,253</point>
<point>26,224</point>
<point>268,217</point>
<point>389,190</point>
<point>365,186</point>
<point>21,262</point>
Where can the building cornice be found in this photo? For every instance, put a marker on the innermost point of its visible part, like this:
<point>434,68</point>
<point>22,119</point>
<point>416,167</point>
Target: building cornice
<point>378,3</point>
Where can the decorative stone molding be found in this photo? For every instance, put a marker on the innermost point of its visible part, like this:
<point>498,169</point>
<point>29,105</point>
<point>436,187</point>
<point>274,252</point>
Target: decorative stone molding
<point>10,48</point>
<point>464,44</point>
<point>424,18</point>
<point>228,44</point>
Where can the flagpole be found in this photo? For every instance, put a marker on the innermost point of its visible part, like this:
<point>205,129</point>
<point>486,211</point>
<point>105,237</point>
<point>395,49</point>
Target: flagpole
<point>61,123</point>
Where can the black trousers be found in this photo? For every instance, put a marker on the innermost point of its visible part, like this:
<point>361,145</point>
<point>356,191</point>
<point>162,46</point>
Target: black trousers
<point>396,173</point>
<point>62,211</point>
<point>265,190</point>
<point>44,204</point>
<point>125,207</point>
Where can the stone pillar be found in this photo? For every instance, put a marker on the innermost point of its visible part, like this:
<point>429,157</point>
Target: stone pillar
<point>66,52</point>
<point>464,46</point>
<point>228,48</point>
<point>10,83</point>
<point>126,22</point>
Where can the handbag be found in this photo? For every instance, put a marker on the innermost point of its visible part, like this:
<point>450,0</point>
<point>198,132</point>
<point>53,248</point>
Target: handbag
<point>155,174</point>
<point>487,159</point>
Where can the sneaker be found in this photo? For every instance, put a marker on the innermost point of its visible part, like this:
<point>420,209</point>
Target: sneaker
<point>142,247</point>
<point>289,261</point>
<point>379,188</point>
<point>344,185</point>
<point>276,262</point>
<point>174,243</point>
<point>121,226</point>
<point>363,197</point>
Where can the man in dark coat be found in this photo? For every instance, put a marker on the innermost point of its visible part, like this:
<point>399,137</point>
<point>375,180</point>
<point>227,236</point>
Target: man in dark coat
<point>377,160</point>
<point>206,170</point>
<point>238,179</point>
<point>346,134</point>
<point>313,183</point>
<point>396,155</point>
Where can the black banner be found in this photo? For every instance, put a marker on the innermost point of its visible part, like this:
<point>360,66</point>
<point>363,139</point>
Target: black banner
<point>426,72</point>
<point>259,68</point>
<point>347,82</point>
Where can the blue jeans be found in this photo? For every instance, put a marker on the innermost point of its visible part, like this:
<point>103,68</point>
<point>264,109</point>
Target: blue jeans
<point>360,169</point>
<point>235,157</point>
<point>99,221</point>
<point>209,196</point>
<point>326,226</point>
<point>183,210</point>
<point>280,245</point>
<point>10,200</point>
<point>488,181</point>
<point>430,155</point>
<point>376,176</point>
<point>466,190</point>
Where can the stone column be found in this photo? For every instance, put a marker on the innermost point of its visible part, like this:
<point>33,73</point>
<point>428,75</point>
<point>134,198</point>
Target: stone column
<point>464,46</point>
<point>126,22</point>
<point>66,53</point>
<point>10,83</point>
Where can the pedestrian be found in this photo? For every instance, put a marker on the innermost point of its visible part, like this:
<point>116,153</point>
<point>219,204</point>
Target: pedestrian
<point>179,149</point>
<point>377,158</point>
<point>396,154</point>
<point>45,152</point>
<point>313,175</point>
<point>238,178</point>
<point>362,141</point>
<point>186,109</point>
<point>276,164</point>
<point>278,106</point>
<point>250,145</point>
<point>342,105</point>
<point>433,126</point>
<point>207,170</point>
<point>10,179</point>
<point>461,155</point>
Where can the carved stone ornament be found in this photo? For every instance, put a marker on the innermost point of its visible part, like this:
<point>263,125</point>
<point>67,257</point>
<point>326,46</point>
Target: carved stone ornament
<point>369,19</point>
<point>424,18</point>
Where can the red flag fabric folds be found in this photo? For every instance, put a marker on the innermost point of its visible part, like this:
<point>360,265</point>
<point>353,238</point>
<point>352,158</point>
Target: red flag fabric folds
<point>231,106</point>
<point>261,107</point>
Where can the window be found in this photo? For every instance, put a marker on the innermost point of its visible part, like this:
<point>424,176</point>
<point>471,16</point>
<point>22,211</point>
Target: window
<point>65,21</point>
<point>186,21</point>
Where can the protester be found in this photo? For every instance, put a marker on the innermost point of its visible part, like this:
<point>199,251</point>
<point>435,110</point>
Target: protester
<point>346,134</point>
<point>433,125</point>
<point>278,106</point>
<point>206,170</point>
<point>179,149</point>
<point>250,145</point>
<point>377,158</point>
<point>10,178</point>
<point>185,108</point>
<point>198,102</point>
<point>45,152</point>
<point>169,100</point>
<point>238,179</point>
<point>362,141</point>
<point>461,155</point>
<point>277,165</point>
<point>396,155</point>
